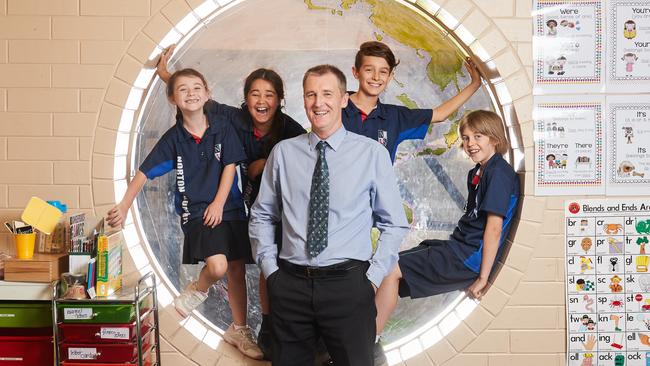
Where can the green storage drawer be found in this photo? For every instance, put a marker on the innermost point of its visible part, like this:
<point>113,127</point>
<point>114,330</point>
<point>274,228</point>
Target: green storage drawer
<point>25,315</point>
<point>95,312</point>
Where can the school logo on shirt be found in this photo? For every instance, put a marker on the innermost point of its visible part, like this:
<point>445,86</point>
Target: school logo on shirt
<point>382,137</point>
<point>217,151</point>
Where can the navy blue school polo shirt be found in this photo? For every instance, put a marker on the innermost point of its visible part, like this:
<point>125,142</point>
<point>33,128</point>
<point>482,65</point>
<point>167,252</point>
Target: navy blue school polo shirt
<point>255,149</point>
<point>497,192</point>
<point>198,166</point>
<point>388,123</point>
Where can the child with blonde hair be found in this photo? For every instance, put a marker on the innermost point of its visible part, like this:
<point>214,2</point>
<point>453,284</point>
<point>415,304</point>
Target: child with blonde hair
<point>466,259</point>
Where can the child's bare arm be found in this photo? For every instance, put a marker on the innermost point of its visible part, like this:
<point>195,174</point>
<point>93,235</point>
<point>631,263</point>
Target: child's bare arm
<point>491,238</point>
<point>214,212</point>
<point>256,168</point>
<point>117,215</point>
<point>161,67</point>
<point>443,111</point>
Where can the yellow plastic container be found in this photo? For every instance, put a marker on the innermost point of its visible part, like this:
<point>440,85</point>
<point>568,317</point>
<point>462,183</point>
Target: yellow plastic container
<point>25,245</point>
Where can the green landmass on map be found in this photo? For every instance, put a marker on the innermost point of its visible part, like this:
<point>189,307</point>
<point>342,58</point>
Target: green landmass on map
<point>378,36</point>
<point>409,213</point>
<point>399,83</point>
<point>347,4</point>
<point>374,232</point>
<point>429,151</point>
<point>416,32</point>
<point>407,101</point>
<point>374,238</point>
<point>311,6</point>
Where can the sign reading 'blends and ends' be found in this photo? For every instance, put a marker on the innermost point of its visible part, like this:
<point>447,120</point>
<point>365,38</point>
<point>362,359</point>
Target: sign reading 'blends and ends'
<point>607,246</point>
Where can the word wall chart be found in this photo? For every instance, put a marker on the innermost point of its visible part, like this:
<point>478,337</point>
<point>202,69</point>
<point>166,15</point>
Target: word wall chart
<point>629,45</point>
<point>628,138</point>
<point>591,67</point>
<point>608,282</point>
<point>568,45</point>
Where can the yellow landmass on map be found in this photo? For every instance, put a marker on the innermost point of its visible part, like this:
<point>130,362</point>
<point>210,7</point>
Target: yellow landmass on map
<point>406,27</point>
<point>451,137</point>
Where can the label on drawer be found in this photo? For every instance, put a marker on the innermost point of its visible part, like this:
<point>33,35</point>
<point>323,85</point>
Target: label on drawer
<point>7,315</point>
<point>114,333</point>
<point>77,313</point>
<point>82,353</point>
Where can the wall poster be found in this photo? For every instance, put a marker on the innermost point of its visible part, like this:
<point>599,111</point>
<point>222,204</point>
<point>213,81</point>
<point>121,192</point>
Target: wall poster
<point>629,46</point>
<point>628,145</point>
<point>608,282</point>
<point>568,46</point>
<point>569,140</point>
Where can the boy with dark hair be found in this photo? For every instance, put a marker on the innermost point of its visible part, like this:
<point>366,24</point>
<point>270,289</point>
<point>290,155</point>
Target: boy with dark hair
<point>374,67</point>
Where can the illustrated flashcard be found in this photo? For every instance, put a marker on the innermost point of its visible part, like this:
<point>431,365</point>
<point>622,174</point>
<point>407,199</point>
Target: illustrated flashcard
<point>568,45</point>
<point>608,282</point>
<point>629,45</point>
<point>568,146</point>
<point>628,141</point>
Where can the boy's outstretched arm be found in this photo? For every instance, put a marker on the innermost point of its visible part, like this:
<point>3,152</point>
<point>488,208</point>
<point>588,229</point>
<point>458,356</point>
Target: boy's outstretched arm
<point>443,111</point>
<point>491,238</point>
<point>161,67</point>
<point>117,215</point>
<point>214,212</point>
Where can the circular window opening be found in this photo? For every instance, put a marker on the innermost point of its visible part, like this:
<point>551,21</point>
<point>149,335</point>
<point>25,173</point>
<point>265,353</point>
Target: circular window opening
<point>290,37</point>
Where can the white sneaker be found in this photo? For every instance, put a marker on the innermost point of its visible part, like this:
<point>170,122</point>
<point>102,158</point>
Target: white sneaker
<point>243,339</point>
<point>189,300</point>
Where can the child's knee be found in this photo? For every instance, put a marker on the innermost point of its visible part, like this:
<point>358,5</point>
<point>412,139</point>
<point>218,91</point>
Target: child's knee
<point>217,267</point>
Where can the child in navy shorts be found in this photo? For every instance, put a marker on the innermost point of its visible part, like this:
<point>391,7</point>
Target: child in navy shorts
<point>465,260</point>
<point>374,68</point>
<point>203,148</point>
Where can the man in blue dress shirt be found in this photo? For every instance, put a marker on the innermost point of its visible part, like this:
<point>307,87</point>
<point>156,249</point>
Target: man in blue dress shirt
<point>326,286</point>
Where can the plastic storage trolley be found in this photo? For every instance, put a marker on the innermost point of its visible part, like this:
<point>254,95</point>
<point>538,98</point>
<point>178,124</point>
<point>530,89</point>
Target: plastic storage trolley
<point>26,333</point>
<point>119,330</point>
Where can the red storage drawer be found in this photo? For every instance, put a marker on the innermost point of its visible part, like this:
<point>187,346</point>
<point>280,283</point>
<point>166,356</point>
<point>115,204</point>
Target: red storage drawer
<point>26,351</point>
<point>103,352</point>
<point>100,333</point>
<point>25,332</point>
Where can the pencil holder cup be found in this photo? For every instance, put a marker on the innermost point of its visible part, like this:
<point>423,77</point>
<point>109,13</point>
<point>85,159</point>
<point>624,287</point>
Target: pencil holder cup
<point>25,245</point>
<point>73,285</point>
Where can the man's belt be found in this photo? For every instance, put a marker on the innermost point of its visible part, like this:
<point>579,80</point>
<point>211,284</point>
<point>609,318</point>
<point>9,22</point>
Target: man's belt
<point>334,270</point>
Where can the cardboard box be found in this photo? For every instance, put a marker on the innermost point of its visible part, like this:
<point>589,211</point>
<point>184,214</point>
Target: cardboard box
<point>41,268</point>
<point>109,263</point>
